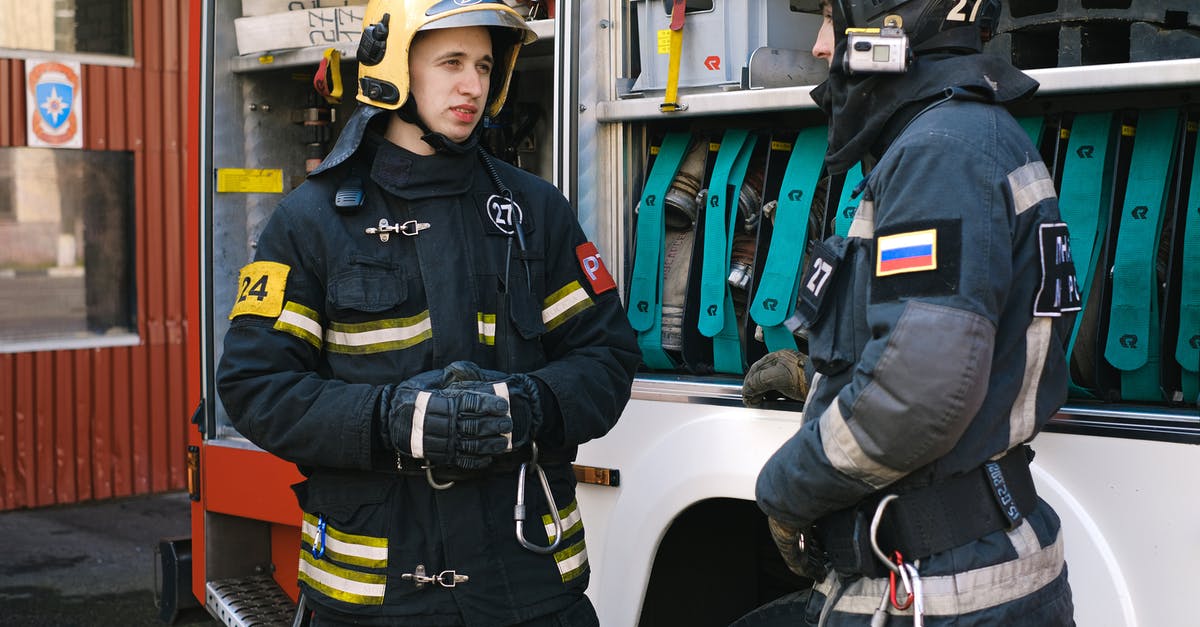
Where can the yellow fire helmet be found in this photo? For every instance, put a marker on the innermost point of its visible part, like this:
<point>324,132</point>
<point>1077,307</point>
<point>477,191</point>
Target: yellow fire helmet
<point>389,28</point>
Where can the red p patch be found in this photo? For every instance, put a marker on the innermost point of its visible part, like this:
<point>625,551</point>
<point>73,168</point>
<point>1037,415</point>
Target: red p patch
<point>593,268</point>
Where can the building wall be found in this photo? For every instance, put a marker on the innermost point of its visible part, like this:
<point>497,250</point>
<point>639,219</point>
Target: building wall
<point>93,424</point>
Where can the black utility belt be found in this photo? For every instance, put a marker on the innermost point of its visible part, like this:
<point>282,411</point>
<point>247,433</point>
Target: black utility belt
<point>930,519</point>
<point>501,465</point>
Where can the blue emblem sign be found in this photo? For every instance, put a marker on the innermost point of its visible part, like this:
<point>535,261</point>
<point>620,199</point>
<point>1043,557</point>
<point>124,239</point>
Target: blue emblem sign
<point>53,103</point>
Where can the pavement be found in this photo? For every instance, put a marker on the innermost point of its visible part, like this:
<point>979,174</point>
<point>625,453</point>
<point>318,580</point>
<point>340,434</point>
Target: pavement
<point>92,564</point>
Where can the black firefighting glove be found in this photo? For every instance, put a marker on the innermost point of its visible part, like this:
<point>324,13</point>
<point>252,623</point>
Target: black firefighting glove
<point>521,391</point>
<point>777,373</point>
<point>790,543</point>
<point>447,427</point>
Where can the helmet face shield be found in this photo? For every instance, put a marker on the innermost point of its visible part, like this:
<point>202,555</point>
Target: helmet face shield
<point>391,25</point>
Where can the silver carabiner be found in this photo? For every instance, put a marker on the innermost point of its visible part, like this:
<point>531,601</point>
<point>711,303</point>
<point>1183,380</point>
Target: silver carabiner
<point>519,508</point>
<point>883,503</point>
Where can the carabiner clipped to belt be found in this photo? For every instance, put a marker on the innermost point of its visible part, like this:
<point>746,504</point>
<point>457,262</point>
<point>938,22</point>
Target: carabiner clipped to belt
<point>519,508</point>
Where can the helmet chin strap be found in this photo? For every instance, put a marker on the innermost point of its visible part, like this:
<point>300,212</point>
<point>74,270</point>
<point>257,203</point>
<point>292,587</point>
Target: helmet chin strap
<point>440,143</point>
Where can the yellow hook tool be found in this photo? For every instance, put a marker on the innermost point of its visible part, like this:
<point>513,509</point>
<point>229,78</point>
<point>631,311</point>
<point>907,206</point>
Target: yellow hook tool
<point>671,100</point>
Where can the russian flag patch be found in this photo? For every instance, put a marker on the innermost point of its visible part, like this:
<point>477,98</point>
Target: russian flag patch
<point>906,252</point>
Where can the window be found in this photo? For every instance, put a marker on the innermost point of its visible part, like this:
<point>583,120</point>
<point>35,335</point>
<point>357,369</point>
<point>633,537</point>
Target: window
<point>82,27</point>
<point>66,249</point>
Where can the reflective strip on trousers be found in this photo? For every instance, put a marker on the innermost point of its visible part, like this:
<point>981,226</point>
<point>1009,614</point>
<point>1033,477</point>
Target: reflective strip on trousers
<point>571,561</point>
<point>961,593</point>
<point>357,550</point>
<point>340,583</point>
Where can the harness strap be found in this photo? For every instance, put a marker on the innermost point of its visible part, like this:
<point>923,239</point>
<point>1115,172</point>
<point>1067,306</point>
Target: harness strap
<point>1086,201</point>
<point>717,317</point>
<point>932,519</point>
<point>776,296</point>
<point>646,281</point>
<point>1132,345</point>
<point>1187,346</point>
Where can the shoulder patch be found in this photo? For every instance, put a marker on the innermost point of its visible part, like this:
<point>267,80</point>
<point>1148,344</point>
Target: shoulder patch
<point>1059,290</point>
<point>260,289</point>
<point>593,268</point>
<point>915,251</point>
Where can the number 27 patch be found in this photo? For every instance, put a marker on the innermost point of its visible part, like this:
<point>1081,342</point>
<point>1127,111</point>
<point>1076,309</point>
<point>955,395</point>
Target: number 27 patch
<point>260,289</point>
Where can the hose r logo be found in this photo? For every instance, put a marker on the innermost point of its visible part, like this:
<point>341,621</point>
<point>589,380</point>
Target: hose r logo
<point>1129,341</point>
<point>712,63</point>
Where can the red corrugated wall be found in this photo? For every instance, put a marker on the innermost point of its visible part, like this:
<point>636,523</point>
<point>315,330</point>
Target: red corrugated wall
<point>95,424</point>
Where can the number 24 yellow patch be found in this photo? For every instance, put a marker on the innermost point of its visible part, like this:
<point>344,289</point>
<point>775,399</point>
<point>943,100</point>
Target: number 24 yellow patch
<point>260,289</point>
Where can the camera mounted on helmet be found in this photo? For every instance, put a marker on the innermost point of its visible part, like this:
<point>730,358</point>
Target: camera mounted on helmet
<point>878,50</point>
<point>883,36</point>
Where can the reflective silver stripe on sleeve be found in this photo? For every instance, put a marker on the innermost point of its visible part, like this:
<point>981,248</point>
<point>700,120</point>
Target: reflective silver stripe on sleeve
<point>501,389</point>
<point>1023,418</point>
<point>416,442</point>
<point>300,321</point>
<point>812,393</point>
<point>566,302</point>
<point>961,593</point>
<point>863,225</point>
<point>847,455</point>
<point>1030,184</point>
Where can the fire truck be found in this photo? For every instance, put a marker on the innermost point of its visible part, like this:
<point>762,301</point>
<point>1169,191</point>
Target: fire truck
<point>610,105</point>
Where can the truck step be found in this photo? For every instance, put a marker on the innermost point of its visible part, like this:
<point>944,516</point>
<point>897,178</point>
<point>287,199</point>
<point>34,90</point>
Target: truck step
<point>255,601</point>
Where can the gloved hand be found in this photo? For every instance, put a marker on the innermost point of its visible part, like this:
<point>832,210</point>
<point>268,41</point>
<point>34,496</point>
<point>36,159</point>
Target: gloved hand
<point>790,543</point>
<point>522,393</point>
<point>447,427</point>
<point>781,372</point>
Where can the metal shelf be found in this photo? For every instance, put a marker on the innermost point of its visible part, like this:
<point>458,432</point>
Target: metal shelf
<point>1161,423</point>
<point>1054,81</point>
<point>311,56</point>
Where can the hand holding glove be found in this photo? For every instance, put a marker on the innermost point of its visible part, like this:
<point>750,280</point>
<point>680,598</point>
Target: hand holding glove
<point>447,427</point>
<point>779,372</point>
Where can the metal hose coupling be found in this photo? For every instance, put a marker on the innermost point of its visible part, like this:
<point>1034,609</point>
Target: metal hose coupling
<point>519,508</point>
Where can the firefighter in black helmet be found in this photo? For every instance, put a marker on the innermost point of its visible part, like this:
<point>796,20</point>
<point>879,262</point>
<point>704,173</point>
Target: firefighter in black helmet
<point>427,333</point>
<point>936,333</point>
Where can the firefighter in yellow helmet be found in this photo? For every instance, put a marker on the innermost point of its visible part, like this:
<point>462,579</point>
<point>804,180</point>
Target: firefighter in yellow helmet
<point>427,333</point>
